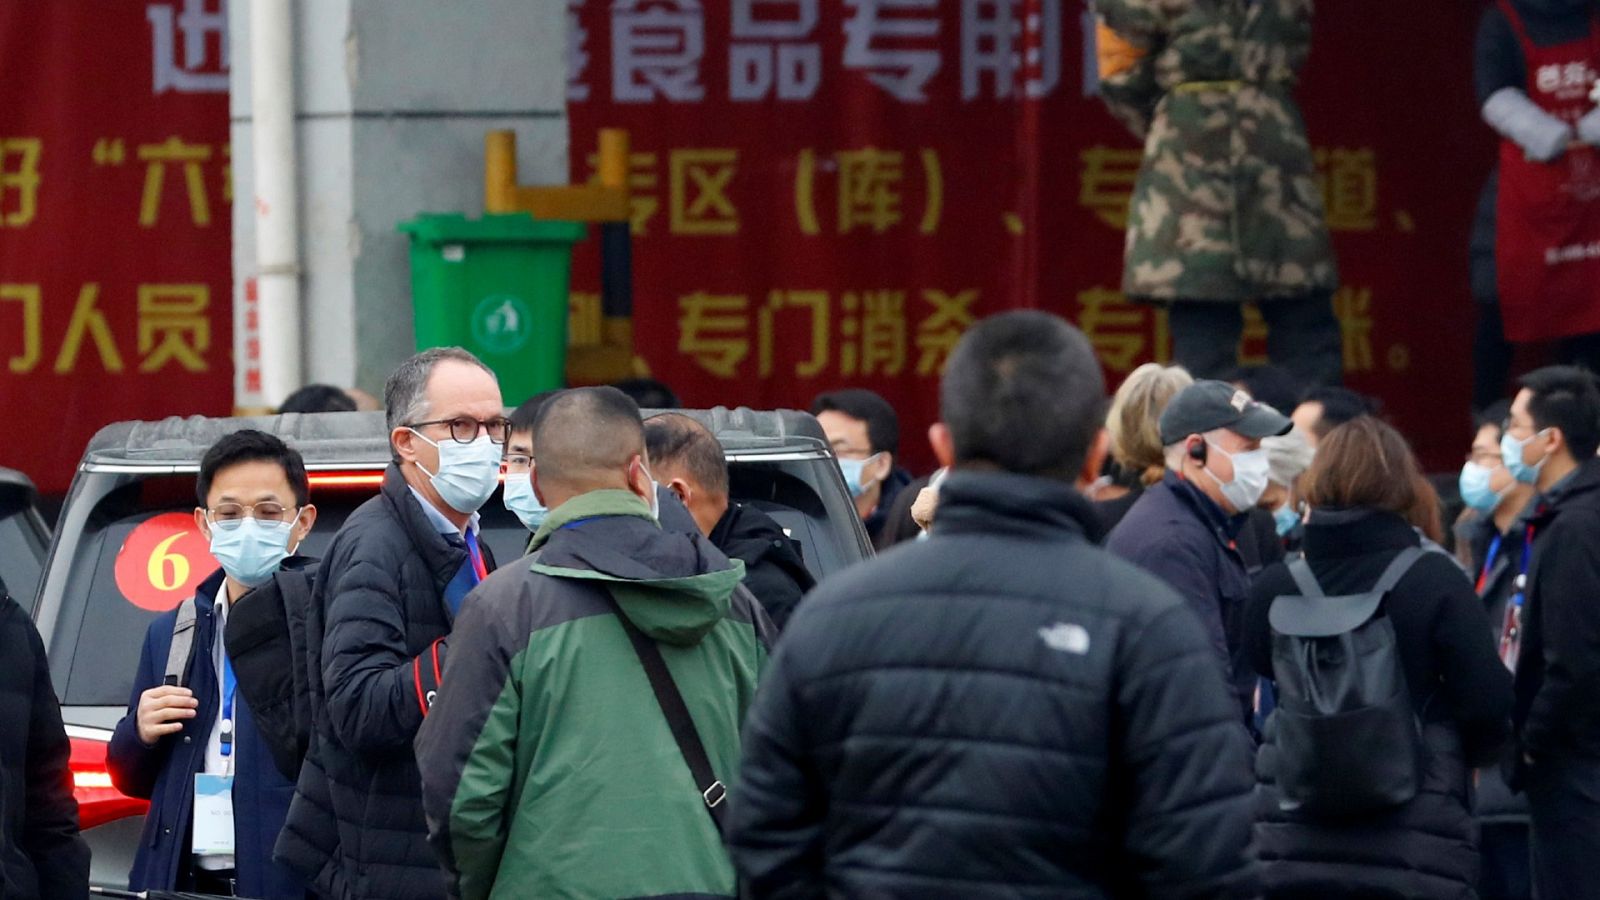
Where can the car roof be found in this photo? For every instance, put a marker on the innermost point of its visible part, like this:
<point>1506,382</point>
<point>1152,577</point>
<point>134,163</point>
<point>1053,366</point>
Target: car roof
<point>361,438</point>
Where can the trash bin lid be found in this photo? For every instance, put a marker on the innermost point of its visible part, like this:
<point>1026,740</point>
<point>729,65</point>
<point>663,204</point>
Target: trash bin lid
<point>520,228</point>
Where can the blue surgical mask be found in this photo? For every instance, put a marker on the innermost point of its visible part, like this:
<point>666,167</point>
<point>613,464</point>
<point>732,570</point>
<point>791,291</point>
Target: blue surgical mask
<point>468,473</point>
<point>853,469</point>
<point>1511,456</point>
<point>1475,489</point>
<point>520,499</point>
<point>1285,518</point>
<point>252,550</point>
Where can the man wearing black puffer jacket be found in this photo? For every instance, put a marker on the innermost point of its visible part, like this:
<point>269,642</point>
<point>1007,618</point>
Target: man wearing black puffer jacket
<point>41,855</point>
<point>387,594</point>
<point>1003,710</point>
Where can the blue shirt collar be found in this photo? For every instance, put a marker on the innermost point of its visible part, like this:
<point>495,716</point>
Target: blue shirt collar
<point>443,525</point>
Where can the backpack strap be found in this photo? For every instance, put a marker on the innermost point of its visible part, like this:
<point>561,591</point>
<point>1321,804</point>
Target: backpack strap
<point>1398,569</point>
<point>1300,570</point>
<point>182,644</point>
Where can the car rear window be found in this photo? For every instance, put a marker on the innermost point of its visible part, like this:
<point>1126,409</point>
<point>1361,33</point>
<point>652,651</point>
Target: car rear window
<point>22,552</point>
<point>103,621</point>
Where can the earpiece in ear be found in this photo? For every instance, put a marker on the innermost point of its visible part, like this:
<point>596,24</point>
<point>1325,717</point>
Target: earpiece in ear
<point>1197,451</point>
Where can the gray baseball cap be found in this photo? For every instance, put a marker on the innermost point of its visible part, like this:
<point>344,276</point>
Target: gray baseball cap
<point>1209,405</point>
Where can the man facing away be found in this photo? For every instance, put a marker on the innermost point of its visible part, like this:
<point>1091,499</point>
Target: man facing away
<point>1004,709</point>
<point>390,587</point>
<point>689,460</point>
<point>549,768</point>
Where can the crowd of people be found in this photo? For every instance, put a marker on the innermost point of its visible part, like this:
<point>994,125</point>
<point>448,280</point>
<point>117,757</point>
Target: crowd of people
<point>1171,643</point>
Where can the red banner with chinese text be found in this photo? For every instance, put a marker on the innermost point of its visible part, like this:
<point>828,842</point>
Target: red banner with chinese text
<point>114,222</point>
<point>829,193</point>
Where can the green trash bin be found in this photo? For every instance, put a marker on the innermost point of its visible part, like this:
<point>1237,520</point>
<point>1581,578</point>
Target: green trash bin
<point>496,285</point>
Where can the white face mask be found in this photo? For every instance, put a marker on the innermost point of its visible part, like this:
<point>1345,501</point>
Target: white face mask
<point>468,473</point>
<point>1251,472</point>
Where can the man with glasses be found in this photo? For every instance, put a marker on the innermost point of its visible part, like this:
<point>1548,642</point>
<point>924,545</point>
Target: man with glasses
<point>388,593</point>
<point>1553,635</point>
<point>189,743</point>
<point>864,432</point>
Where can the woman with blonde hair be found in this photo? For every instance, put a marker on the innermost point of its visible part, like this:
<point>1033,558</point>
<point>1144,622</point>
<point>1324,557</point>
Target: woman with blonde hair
<point>1134,427</point>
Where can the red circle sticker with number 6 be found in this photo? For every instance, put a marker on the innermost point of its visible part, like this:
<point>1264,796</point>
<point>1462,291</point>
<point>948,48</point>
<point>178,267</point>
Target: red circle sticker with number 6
<point>162,562</point>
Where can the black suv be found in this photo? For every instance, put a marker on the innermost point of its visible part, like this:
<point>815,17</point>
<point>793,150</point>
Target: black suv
<point>123,552</point>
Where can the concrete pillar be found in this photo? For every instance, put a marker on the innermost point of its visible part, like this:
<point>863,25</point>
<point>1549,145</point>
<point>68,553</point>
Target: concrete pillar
<point>393,100</point>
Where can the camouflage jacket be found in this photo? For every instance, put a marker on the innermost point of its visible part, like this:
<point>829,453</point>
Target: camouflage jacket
<point>1226,207</point>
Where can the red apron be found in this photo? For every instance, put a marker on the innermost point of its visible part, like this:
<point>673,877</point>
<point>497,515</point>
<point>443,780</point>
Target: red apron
<point>1547,245</point>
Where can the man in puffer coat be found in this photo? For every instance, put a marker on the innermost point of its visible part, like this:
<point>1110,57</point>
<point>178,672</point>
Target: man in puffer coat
<point>548,767</point>
<point>1226,209</point>
<point>1004,709</point>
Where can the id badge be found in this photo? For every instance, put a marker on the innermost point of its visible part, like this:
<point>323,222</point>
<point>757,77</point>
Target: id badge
<point>213,815</point>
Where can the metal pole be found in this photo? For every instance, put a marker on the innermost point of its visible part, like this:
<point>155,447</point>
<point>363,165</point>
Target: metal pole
<point>275,183</point>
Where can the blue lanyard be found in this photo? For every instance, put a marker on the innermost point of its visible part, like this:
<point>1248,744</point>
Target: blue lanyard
<point>230,687</point>
<point>1488,562</point>
<point>1522,572</point>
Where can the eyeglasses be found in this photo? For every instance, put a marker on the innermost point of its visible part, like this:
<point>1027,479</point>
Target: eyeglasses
<point>464,429</point>
<point>227,516</point>
<point>1486,458</point>
<point>517,463</point>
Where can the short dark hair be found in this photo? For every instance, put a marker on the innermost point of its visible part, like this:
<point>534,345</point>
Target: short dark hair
<point>1273,385</point>
<point>1339,405</point>
<point>250,445</point>
<point>586,429</point>
<point>883,426</point>
<point>676,439</point>
<point>649,393</point>
<point>1567,398</point>
<point>318,398</point>
<point>1494,414</point>
<point>523,417</point>
<point>1023,391</point>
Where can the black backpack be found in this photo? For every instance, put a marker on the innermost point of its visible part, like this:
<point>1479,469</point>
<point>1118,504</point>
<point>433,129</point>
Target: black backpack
<point>1348,740</point>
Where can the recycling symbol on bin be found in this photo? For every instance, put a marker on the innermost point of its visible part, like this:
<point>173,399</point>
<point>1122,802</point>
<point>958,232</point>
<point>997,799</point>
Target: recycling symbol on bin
<point>501,323</point>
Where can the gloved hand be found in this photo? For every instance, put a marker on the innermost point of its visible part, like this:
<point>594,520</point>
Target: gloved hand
<point>1589,128</point>
<point>1541,136</point>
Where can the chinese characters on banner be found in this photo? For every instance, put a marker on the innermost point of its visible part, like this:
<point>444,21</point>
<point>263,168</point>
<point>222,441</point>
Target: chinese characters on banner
<point>827,192</point>
<point>830,193</point>
<point>115,212</point>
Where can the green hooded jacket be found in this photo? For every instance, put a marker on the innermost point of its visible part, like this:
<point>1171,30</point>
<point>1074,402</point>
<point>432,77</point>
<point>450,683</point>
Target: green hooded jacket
<point>548,768</point>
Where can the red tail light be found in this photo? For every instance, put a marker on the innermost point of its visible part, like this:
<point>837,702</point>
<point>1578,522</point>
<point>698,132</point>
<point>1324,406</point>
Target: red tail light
<point>346,479</point>
<point>98,801</point>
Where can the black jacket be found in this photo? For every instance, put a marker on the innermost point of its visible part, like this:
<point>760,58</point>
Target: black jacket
<point>1178,534</point>
<point>377,625</point>
<point>271,656</point>
<point>1460,689</point>
<point>1558,674</point>
<point>1003,710</point>
<point>41,854</point>
<point>773,569</point>
<point>880,526</point>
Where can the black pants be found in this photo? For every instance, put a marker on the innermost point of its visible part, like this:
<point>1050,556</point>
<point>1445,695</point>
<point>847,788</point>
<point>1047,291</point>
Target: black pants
<point>1564,797</point>
<point>1507,862</point>
<point>1303,337</point>
<point>1492,356</point>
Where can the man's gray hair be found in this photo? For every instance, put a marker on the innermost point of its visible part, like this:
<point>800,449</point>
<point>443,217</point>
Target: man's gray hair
<point>405,394</point>
<point>1288,456</point>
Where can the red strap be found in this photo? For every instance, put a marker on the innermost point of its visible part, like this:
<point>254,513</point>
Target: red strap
<point>437,678</point>
<point>1518,28</point>
<point>416,677</point>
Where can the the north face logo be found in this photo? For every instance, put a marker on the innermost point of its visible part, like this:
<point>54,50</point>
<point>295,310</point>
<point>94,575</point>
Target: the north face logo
<point>1066,637</point>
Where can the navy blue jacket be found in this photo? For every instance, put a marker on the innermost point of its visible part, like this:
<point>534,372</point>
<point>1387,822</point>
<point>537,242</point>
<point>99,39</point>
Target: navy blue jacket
<point>1178,534</point>
<point>164,774</point>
